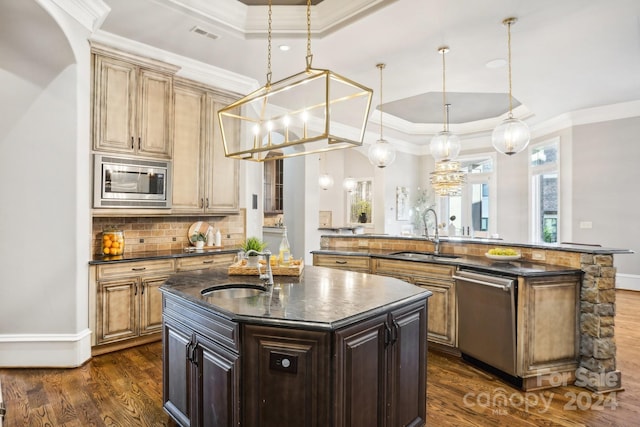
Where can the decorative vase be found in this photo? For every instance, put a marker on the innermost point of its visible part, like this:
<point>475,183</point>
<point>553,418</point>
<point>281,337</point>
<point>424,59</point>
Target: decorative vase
<point>199,244</point>
<point>362,218</point>
<point>252,261</point>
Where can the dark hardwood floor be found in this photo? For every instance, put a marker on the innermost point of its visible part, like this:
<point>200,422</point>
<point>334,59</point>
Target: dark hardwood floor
<point>125,389</point>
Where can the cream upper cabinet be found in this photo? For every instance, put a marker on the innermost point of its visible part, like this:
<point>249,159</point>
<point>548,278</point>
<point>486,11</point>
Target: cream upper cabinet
<point>223,184</point>
<point>204,180</point>
<point>132,107</point>
<point>189,149</point>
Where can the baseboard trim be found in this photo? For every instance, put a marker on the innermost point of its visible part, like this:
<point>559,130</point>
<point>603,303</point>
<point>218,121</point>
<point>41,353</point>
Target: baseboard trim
<point>45,350</point>
<point>629,282</point>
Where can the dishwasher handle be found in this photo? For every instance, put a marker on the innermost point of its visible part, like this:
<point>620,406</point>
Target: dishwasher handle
<point>505,288</point>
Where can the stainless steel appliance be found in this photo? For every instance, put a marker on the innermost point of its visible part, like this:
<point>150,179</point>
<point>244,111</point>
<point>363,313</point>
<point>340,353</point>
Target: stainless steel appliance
<point>124,182</point>
<point>487,318</point>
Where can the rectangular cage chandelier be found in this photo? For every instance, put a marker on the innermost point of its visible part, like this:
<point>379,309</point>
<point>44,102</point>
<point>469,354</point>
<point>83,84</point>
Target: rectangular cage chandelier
<point>310,112</point>
<point>313,111</point>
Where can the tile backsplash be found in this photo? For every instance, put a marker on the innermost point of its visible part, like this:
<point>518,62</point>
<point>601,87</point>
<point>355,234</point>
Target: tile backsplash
<point>142,234</point>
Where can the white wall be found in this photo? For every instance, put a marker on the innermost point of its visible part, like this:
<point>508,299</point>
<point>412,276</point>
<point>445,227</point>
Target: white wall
<point>44,182</point>
<point>606,187</point>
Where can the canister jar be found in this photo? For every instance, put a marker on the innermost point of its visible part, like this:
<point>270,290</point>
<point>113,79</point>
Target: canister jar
<point>112,241</point>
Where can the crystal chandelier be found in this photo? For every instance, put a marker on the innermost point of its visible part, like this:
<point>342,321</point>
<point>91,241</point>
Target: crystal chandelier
<point>381,153</point>
<point>445,145</point>
<point>313,111</point>
<point>512,135</point>
<point>447,179</point>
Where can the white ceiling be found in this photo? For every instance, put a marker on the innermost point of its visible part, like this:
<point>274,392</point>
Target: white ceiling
<point>567,55</point>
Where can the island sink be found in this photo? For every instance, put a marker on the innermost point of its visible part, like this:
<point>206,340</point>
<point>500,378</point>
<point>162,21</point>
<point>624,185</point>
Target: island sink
<point>234,290</point>
<point>423,256</point>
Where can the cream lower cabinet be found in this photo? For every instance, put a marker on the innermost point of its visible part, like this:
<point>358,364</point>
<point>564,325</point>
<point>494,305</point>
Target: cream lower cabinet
<point>342,262</point>
<point>548,333</point>
<point>127,304</point>
<point>442,314</point>
<point>204,262</point>
<point>204,180</point>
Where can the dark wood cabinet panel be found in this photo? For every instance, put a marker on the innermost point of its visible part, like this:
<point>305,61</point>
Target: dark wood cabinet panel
<point>361,374</point>
<point>286,377</point>
<point>176,371</point>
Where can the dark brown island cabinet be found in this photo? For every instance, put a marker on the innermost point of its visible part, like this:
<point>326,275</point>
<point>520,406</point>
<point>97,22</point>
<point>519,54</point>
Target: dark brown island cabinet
<point>328,348</point>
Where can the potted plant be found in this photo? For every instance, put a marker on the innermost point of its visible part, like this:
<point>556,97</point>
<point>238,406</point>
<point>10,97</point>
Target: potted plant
<point>198,239</point>
<point>362,211</point>
<point>253,244</point>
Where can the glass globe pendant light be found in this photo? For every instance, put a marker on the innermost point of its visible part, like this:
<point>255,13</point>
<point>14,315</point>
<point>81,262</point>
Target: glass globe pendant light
<point>445,145</point>
<point>512,135</point>
<point>349,184</point>
<point>381,154</point>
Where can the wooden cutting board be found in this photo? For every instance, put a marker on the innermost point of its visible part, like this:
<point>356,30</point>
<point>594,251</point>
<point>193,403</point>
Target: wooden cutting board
<point>242,270</point>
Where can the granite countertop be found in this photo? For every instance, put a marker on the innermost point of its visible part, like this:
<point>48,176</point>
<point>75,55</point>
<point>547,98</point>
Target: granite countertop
<point>319,299</point>
<point>514,268</point>
<point>151,255</point>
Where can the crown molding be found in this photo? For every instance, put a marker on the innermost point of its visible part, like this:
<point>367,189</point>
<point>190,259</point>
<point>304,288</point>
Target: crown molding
<point>188,68</point>
<point>89,13</point>
<point>250,21</point>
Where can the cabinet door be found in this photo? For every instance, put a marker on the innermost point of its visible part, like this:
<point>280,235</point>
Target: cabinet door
<point>342,262</point>
<point>177,372</point>
<point>154,118</point>
<point>223,185</point>
<point>286,377</point>
<point>151,305</point>
<point>188,150</point>
<point>442,323</point>
<point>117,312</point>
<point>217,388</point>
<point>407,398</point>
<point>114,105</point>
<point>361,379</point>
<point>548,325</point>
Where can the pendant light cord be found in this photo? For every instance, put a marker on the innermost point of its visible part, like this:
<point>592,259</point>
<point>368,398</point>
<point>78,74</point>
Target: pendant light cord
<point>443,50</point>
<point>309,55</point>
<point>381,67</point>
<point>508,22</point>
<point>269,49</point>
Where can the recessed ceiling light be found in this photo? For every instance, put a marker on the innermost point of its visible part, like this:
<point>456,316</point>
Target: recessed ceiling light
<point>285,47</point>
<point>496,63</point>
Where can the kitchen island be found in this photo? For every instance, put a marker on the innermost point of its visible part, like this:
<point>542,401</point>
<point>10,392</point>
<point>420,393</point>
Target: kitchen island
<point>327,348</point>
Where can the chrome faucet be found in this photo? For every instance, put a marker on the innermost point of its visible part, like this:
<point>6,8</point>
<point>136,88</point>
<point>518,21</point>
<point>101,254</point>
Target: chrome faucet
<point>267,276</point>
<point>436,239</point>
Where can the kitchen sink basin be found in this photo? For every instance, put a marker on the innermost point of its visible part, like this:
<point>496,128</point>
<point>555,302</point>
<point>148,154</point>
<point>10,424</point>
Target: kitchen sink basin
<point>234,290</point>
<point>423,256</point>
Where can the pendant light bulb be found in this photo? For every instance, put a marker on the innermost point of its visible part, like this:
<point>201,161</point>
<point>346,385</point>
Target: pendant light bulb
<point>381,153</point>
<point>444,146</point>
<point>512,135</point>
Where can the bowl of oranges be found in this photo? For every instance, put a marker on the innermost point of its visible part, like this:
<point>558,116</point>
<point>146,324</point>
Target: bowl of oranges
<point>112,242</point>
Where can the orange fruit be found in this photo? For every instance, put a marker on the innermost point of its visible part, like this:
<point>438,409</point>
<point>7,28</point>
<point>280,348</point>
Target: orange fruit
<point>106,251</point>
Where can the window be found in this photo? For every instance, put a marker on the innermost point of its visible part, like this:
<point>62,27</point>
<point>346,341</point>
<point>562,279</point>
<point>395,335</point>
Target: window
<point>359,202</point>
<point>475,208</point>
<point>273,185</point>
<point>544,172</point>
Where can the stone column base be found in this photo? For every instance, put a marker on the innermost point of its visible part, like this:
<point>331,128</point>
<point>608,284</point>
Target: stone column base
<point>599,382</point>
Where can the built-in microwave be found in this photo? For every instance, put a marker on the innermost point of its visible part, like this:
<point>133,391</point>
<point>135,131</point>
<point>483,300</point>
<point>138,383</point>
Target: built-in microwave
<point>125,182</point>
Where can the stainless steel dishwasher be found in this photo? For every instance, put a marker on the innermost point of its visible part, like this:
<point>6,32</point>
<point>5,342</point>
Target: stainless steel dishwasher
<point>487,318</point>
